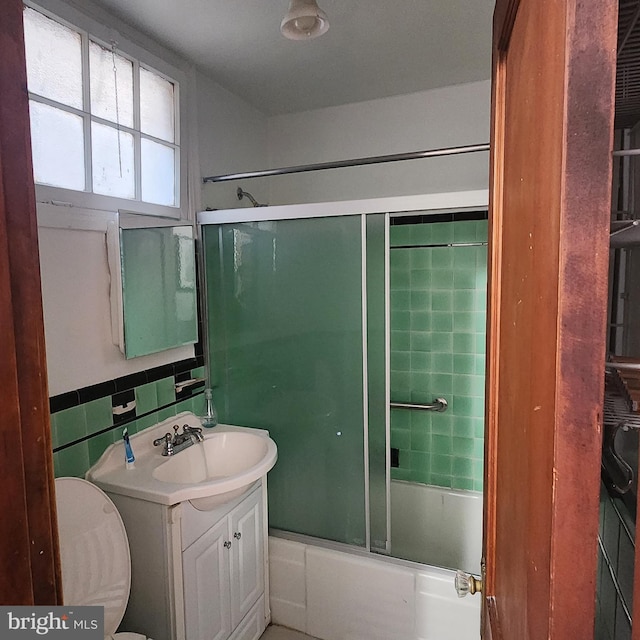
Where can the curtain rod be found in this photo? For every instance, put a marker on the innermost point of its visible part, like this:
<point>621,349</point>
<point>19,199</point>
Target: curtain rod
<point>338,164</point>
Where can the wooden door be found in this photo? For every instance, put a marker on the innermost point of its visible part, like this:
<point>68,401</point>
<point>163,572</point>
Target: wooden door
<point>552,129</point>
<point>29,563</point>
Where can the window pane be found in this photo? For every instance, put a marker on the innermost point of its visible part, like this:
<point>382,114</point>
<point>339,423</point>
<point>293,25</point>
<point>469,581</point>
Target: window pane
<point>157,116</point>
<point>158,173</point>
<point>54,63</point>
<point>58,146</point>
<point>112,161</point>
<point>103,85</point>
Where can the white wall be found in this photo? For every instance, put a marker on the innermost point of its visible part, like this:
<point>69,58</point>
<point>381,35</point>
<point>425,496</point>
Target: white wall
<point>232,137</point>
<point>225,134</point>
<point>451,116</point>
<point>77,314</point>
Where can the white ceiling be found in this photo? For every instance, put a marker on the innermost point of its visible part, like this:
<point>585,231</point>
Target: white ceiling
<point>373,49</point>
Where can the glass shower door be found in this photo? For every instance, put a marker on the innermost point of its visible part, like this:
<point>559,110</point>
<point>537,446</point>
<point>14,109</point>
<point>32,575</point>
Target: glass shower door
<point>285,307</point>
<point>438,281</point>
<point>377,226</point>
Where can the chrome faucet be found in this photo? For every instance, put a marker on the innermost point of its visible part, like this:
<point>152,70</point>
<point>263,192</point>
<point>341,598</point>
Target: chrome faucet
<point>178,441</point>
<point>195,432</point>
<point>168,444</point>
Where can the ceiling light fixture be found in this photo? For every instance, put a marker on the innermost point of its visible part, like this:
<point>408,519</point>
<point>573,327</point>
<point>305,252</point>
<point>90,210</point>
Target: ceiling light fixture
<point>304,21</point>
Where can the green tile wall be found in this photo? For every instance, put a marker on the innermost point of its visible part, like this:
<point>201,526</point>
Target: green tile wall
<point>83,422</point>
<point>438,317</point>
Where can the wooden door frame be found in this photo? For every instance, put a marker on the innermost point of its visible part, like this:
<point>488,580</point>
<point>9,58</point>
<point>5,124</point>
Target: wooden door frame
<point>29,557</point>
<point>585,174</point>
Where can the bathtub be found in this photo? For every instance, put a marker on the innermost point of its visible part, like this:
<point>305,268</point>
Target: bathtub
<point>334,591</point>
<point>435,526</point>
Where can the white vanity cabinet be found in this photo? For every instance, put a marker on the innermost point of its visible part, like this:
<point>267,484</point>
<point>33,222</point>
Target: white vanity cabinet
<point>225,565</point>
<point>197,575</point>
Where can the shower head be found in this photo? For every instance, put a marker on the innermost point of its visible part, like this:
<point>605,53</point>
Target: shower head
<point>241,194</point>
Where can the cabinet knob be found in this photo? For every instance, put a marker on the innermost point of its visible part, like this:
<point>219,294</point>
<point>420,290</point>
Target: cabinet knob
<point>227,544</point>
<point>237,535</point>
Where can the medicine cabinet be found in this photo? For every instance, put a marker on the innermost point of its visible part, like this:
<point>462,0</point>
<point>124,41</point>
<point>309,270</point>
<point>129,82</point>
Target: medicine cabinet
<point>153,284</point>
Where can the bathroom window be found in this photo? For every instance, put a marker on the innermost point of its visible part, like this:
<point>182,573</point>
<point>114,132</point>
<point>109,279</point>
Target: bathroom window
<point>104,122</point>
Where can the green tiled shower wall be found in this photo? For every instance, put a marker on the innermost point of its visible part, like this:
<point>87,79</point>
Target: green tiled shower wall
<point>81,433</point>
<point>438,320</point>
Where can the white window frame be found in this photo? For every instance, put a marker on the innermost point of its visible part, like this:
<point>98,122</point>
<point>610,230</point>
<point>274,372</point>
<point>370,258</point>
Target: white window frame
<point>103,34</point>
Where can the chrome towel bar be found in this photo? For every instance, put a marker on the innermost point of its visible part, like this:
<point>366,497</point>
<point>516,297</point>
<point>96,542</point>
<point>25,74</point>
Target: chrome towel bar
<point>439,404</point>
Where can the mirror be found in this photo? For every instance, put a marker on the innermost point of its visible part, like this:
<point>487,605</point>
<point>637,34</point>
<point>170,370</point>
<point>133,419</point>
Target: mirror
<point>154,285</point>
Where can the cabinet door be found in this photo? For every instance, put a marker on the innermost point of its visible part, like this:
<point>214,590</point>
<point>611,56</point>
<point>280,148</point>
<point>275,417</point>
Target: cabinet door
<point>205,567</point>
<point>247,557</point>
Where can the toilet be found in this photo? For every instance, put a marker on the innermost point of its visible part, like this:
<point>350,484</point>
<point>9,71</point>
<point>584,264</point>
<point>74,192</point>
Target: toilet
<point>94,552</point>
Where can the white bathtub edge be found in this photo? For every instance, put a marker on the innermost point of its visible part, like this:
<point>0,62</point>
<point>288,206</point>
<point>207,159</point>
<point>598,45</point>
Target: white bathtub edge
<point>334,595</point>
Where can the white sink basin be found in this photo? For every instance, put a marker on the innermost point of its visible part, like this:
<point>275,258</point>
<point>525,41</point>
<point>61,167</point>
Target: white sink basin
<point>207,474</point>
<point>226,462</point>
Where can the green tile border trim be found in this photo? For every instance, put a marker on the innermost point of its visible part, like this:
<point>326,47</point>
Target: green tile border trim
<point>110,387</point>
<point>125,423</point>
<point>456,216</point>
<point>92,421</point>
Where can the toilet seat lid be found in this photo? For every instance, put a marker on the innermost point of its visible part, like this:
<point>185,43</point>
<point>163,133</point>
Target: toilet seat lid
<point>94,550</point>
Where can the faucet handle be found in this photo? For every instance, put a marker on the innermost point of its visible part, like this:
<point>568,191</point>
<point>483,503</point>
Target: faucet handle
<point>195,431</point>
<point>168,444</point>
<point>189,429</point>
<point>166,438</point>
